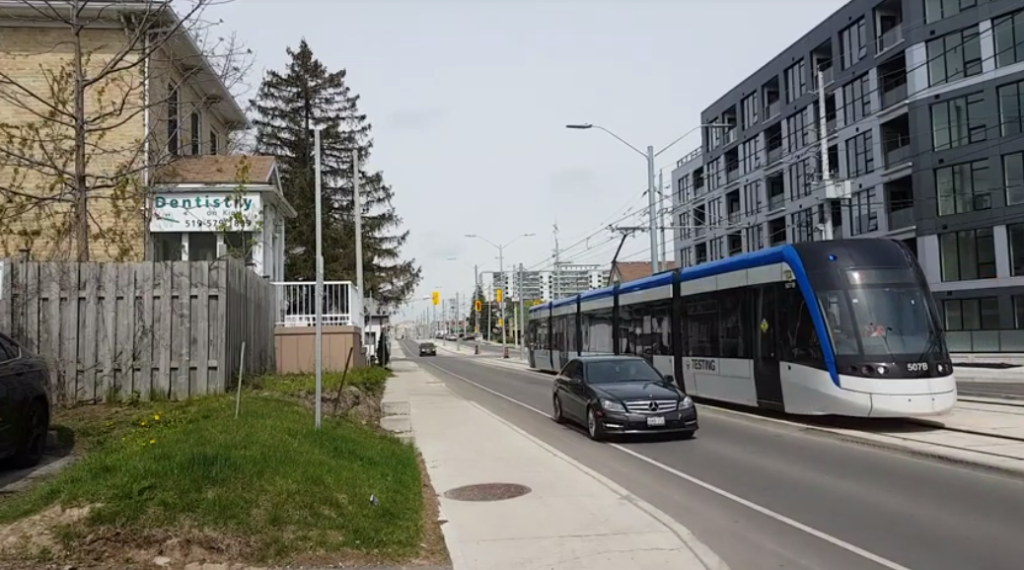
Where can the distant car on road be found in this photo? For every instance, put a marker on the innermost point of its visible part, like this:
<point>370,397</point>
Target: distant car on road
<point>621,395</point>
<point>428,349</point>
<point>24,405</point>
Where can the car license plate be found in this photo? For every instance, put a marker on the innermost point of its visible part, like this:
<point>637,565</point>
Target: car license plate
<point>655,421</point>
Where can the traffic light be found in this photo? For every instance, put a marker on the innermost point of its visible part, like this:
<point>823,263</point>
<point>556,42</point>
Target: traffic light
<point>478,305</point>
<point>437,297</point>
<point>500,295</point>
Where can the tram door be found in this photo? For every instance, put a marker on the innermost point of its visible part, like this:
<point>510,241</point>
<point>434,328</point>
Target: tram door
<point>767,373</point>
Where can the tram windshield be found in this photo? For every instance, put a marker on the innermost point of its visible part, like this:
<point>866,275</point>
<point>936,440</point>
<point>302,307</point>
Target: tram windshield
<point>881,320</point>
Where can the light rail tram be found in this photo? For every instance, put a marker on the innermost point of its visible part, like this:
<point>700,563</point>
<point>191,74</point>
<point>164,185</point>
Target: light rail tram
<point>843,327</point>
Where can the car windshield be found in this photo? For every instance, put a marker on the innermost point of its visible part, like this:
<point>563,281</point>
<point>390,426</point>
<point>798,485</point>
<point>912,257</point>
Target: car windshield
<point>885,320</point>
<point>615,371</point>
<point>427,345</point>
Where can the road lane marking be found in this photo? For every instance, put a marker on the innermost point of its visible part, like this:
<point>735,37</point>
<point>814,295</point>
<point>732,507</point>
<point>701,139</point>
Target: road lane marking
<point>853,549</point>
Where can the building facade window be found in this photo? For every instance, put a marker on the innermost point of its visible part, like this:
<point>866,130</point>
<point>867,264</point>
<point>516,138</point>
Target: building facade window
<point>684,189</point>
<point>173,126</point>
<point>684,223</point>
<point>801,176</point>
<point>1011,108</point>
<point>935,10</point>
<point>167,246</point>
<point>803,226</point>
<point>860,155</point>
<point>202,246</point>
<point>853,45</point>
<point>968,255</point>
<point>748,111</point>
<point>954,56</point>
<point>686,257</point>
<point>197,133</point>
<point>1009,33</point>
<point>1015,232</point>
<point>1013,178</point>
<point>755,237</point>
<point>796,132</point>
<point>796,81</point>
<point>864,212</point>
<point>963,188</point>
<point>214,142</point>
<point>971,314</point>
<point>958,122</point>
<point>752,201</point>
<point>751,151</point>
<point>856,100</point>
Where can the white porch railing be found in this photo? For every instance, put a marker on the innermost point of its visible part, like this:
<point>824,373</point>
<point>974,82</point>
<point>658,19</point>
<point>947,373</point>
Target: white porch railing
<point>296,304</point>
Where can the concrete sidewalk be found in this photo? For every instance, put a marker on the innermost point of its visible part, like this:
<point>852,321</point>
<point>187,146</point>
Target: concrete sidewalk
<point>572,517</point>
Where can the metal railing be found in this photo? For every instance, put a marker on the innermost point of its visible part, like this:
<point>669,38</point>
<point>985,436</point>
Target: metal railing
<point>889,39</point>
<point>296,304</point>
<point>693,154</point>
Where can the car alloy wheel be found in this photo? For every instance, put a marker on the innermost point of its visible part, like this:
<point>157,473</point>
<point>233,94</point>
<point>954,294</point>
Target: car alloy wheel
<point>557,405</point>
<point>593,426</point>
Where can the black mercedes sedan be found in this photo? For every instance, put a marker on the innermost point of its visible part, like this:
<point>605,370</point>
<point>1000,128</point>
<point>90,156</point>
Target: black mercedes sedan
<point>428,349</point>
<point>24,405</point>
<point>621,395</point>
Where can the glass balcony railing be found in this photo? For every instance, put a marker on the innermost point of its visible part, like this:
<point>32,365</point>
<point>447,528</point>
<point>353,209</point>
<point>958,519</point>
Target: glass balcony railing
<point>776,202</point>
<point>895,95</point>
<point>899,219</point>
<point>889,39</point>
<point>774,154</point>
<point>772,110</point>
<point>897,156</point>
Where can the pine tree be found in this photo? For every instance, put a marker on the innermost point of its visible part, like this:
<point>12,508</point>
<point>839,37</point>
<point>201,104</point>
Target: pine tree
<point>288,105</point>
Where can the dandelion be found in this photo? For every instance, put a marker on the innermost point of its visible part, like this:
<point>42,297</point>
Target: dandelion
<point>152,441</point>
<point>143,424</point>
<point>156,417</point>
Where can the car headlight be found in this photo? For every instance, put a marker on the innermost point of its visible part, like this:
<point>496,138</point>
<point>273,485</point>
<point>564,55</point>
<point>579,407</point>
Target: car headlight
<point>610,406</point>
<point>686,402</point>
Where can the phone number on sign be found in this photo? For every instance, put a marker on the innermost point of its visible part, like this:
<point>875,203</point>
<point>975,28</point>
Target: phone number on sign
<point>206,223</point>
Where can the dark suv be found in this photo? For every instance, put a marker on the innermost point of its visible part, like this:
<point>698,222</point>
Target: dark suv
<point>428,349</point>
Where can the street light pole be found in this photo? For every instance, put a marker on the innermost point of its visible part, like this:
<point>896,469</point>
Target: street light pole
<point>649,156</point>
<point>501,271</point>
<point>319,284</point>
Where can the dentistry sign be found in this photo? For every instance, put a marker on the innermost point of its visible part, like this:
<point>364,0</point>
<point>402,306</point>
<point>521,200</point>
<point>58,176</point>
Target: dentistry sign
<point>206,212</point>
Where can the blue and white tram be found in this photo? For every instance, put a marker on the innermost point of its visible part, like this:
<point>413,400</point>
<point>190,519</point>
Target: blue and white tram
<point>844,327</point>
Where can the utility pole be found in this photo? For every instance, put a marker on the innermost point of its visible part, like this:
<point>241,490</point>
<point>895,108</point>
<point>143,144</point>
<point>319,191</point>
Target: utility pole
<point>522,314</point>
<point>357,212</point>
<point>652,201</point>
<point>501,305</point>
<point>319,283</point>
<point>458,317</point>
<point>661,218</point>
<point>476,295</point>
<point>826,175</point>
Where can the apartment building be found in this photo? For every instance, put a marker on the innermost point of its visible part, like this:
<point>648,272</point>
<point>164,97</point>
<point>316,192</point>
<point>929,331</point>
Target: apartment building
<point>166,105</point>
<point>920,103</point>
<point>546,285</point>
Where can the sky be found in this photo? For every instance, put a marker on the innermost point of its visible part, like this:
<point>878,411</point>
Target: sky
<point>469,102</point>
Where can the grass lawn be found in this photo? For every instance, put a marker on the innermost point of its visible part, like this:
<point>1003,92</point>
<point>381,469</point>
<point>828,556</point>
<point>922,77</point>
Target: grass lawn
<point>370,380</point>
<point>267,483</point>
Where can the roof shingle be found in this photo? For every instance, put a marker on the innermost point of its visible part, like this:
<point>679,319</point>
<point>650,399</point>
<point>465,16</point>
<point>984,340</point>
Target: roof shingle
<point>217,169</point>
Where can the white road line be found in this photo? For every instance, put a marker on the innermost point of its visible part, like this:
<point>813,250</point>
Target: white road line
<point>884,562</point>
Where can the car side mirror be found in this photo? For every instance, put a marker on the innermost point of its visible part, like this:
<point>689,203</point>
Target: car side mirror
<point>670,379</point>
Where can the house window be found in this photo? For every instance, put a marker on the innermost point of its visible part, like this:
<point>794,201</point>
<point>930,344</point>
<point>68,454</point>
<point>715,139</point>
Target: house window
<point>853,45</point>
<point>864,212</point>
<point>954,56</point>
<point>936,10</point>
<point>685,188</point>
<point>239,245</point>
<point>971,314</point>
<point>1013,178</point>
<point>968,255</point>
<point>749,111</point>
<point>166,246</point>
<point>214,142</point>
<point>856,100</point>
<point>751,155</point>
<point>803,225</point>
<point>796,81</point>
<point>1009,33</point>
<point>1016,238</point>
<point>860,157</point>
<point>958,122</point>
<point>963,188</point>
<point>796,132</point>
<point>173,128</point>
<point>1011,108</point>
<point>202,246</point>
<point>197,141</point>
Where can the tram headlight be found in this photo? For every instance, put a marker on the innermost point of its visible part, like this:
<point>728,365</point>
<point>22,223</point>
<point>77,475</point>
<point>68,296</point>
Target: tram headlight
<point>881,370</point>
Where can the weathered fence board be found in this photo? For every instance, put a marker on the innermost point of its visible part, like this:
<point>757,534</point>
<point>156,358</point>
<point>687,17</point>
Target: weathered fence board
<point>145,330</point>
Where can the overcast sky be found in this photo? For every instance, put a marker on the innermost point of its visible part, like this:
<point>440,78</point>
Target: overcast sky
<point>469,102</point>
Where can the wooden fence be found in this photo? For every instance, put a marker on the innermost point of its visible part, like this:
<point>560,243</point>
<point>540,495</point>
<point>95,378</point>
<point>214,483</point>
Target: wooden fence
<point>113,331</point>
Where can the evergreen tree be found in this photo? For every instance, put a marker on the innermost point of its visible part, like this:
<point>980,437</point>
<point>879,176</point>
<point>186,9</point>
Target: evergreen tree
<point>288,106</point>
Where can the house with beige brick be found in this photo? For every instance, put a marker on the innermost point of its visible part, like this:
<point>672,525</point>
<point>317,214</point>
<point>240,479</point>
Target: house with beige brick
<point>156,121</point>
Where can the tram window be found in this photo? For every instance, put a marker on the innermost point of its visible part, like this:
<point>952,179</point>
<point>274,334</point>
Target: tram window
<point>600,335</point>
<point>732,324</point>
<point>800,341</point>
<point>628,324</point>
<point>701,325</point>
<point>660,333</point>
<point>840,323</point>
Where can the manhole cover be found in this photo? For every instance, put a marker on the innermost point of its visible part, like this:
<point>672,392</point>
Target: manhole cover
<point>487,492</point>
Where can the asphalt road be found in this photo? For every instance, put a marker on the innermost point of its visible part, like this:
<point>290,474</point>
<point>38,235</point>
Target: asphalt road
<point>765,495</point>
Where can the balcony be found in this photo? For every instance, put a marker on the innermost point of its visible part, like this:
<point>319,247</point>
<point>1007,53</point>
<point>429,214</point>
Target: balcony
<point>898,155</point>
<point>899,219</point>
<point>729,137</point>
<point>894,95</point>
<point>774,155</point>
<point>889,39</point>
<point>772,110</point>
<point>776,202</point>
<point>828,75</point>
<point>732,175</point>
<point>296,304</point>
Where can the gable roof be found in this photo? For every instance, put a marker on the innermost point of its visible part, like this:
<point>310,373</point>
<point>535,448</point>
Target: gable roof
<point>218,169</point>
